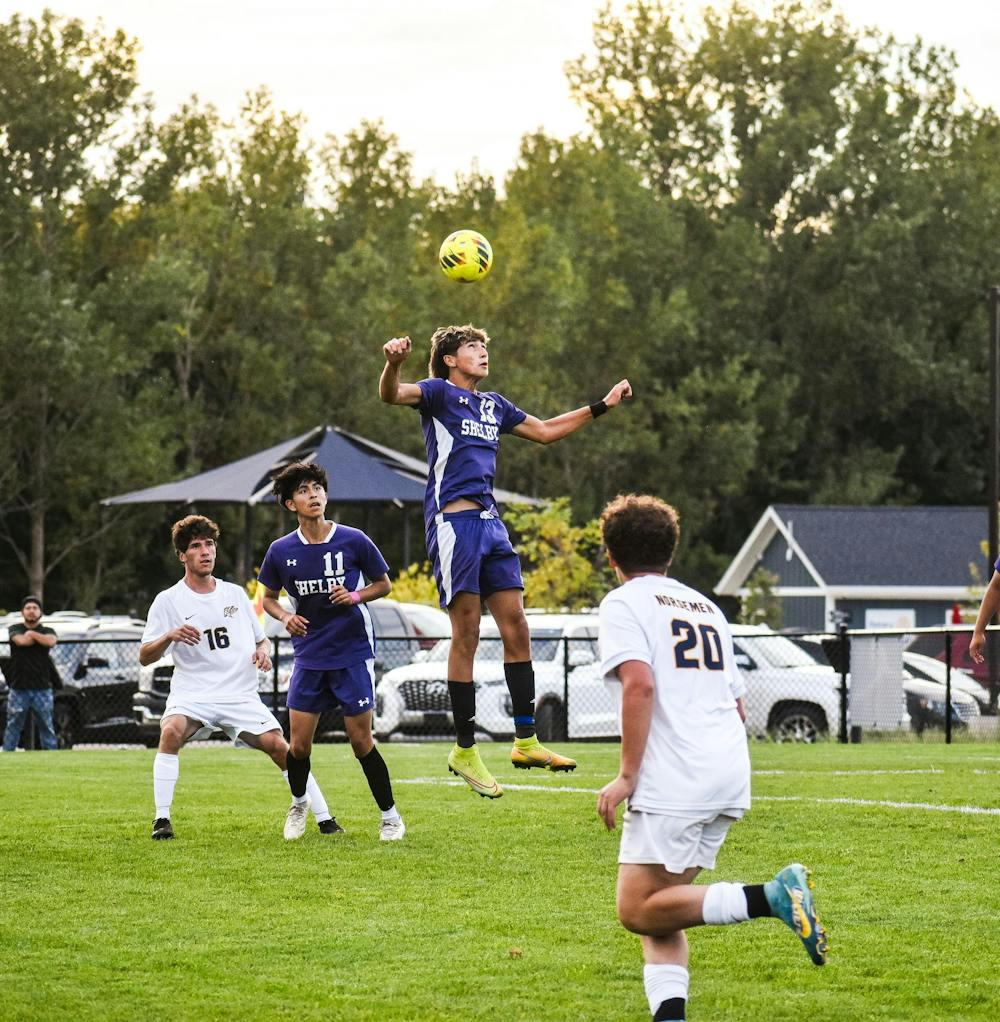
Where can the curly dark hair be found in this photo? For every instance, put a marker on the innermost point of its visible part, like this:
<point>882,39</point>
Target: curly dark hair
<point>291,477</point>
<point>193,527</point>
<point>640,532</point>
<point>446,340</point>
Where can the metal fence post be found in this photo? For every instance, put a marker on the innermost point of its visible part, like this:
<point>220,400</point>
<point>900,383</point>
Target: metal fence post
<point>274,678</point>
<point>947,688</point>
<point>844,665</point>
<point>565,643</point>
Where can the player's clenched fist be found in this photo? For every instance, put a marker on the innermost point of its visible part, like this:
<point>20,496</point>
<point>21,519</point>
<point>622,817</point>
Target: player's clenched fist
<point>396,350</point>
<point>617,393</point>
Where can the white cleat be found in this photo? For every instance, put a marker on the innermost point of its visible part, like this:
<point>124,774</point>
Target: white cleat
<point>392,830</point>
<point>295,821</point>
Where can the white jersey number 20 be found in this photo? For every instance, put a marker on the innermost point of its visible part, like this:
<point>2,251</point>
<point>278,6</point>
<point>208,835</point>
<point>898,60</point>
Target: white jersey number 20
<point>696,646</point>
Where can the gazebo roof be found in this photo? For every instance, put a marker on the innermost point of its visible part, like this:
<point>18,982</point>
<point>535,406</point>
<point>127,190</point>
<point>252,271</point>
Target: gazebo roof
<point>360,472</point>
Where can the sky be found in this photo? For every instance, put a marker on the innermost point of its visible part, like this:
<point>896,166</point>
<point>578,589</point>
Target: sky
<point>455,81</point>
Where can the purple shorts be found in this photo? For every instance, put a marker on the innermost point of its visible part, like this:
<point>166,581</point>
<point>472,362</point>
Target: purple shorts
<point>352,687</point>
<point>471,553</point>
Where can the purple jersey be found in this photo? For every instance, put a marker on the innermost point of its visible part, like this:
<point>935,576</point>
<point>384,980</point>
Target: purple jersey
<point>462,434</point>
<point>337,636</point>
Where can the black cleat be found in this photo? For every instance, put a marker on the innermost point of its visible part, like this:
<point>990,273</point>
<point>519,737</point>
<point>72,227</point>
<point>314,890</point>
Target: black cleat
<point>162,831</point>
<point>331,826</point>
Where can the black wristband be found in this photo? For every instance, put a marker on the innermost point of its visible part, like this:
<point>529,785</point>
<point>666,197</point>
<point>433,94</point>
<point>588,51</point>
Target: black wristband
<point>598,408</point>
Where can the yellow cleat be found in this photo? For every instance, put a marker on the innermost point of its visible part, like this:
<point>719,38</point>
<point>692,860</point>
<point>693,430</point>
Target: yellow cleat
<point>467,764</point>
<point>529,752</point>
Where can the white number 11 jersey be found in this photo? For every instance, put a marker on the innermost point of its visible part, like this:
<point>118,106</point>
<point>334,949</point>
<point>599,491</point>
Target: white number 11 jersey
<point>696,759</point>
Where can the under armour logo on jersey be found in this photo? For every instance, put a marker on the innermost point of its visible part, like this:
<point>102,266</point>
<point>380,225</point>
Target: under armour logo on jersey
<point>291,562</point>
<point>230,611</point>
<point>463,400</point>
<point>363,702</point>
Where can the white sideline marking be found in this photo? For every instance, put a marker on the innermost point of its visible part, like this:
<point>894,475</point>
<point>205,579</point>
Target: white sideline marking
<point>842,773</point>
<point>930,806</point>
<point>883,803</point>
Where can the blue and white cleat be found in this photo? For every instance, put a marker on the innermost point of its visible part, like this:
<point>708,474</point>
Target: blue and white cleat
<point>790,896</point>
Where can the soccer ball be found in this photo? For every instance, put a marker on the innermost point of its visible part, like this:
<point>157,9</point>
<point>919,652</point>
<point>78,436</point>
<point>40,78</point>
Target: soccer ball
<point>465,256</point>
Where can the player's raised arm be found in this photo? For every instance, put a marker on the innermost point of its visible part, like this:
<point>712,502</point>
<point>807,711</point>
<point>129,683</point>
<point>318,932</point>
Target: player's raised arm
<point>548,431</point>
<point>390,389</point>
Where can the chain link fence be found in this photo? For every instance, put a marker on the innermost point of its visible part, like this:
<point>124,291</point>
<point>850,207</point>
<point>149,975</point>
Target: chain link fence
<point>849,686</point>
<point>858,685</point>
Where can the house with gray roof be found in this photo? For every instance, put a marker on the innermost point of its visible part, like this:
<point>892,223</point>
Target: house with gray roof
<point>872,567</point>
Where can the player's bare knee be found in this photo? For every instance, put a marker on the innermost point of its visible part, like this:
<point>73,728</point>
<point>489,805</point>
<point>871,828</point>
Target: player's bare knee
<point>361,746</point>
<point>278,751</point>
<point>516,639</point>
<point>300,747</point>
<point>637,917</point>
<point>172,731</point>
<point>633,918</point>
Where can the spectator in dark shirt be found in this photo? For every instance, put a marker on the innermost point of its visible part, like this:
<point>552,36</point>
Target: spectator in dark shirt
<point>29,676</point>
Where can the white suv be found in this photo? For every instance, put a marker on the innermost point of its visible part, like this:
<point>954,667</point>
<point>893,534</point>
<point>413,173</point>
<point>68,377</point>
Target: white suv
<point>415,698</point>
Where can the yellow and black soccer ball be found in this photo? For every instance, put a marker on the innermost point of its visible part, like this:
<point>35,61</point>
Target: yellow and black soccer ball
<point>465,256</point>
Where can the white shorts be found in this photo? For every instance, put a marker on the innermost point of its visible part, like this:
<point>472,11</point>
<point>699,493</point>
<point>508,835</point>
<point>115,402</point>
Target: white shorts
<point>677,843</point>
<point>249,715</point>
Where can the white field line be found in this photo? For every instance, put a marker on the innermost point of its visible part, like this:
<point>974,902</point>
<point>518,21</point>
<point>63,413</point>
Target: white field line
<point>879,803</point>
<point>841,773</point>
<point>928,806</point>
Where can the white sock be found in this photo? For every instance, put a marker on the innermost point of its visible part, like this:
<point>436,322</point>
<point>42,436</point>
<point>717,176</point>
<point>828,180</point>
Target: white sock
<point>662,982</point>
<point>301,801</point>
<point>321,811</point>
<point>392,813</point>
<point>166,770</point>
<point>724,904</point>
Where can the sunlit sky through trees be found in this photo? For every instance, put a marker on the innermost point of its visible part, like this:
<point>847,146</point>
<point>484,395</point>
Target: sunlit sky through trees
<point>455,82</point>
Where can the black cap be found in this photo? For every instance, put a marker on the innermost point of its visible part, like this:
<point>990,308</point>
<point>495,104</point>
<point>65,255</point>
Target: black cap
<point>31,599</point>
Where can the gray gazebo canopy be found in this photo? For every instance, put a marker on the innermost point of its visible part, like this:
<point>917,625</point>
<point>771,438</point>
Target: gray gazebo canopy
<point>359,470</point>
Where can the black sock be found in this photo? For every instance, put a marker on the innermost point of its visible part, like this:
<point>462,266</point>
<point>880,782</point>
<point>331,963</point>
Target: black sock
<point>463,709</point>
<point>521,684</point>
<point>298,774</point>
<point>377,775</point>
<point>757,903</point>
<point>672,1008</point>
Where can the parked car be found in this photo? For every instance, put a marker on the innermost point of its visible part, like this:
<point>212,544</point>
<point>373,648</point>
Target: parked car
<point>396,642</point>
<point>414,699</point>
<point>429,623</point>
<point>930,669</point>
<point>98,664</point>
<point>790,696</point>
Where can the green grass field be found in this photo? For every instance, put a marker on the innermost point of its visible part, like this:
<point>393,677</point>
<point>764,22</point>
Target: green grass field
<point>231,922</point>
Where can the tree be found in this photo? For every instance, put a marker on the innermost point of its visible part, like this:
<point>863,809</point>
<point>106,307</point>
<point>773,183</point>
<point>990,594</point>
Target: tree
<point>62,88</point>
<point>761,606</point>
<point>561,561</point>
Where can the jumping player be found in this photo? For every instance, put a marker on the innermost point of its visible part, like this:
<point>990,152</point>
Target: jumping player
<point>667,653</point>
<point>466,540</point>
<point>217,645</point>
<point>323,567</point>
